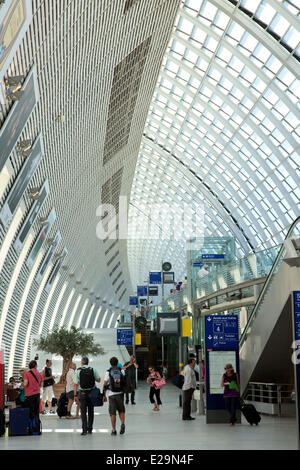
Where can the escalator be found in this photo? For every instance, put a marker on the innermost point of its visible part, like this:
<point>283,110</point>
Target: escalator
<point>265,344</point>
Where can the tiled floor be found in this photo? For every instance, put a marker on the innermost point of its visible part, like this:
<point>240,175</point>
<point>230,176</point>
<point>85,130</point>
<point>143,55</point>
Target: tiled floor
<point>146,429</point>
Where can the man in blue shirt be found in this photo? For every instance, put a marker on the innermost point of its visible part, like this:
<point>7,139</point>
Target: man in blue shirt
<point>84,382</point>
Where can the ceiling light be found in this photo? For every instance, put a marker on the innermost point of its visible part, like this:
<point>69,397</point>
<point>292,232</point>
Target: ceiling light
<point>24,148</point>
<point>14,81</point>
<point>34,193</point>
<point>14,93</point>
<point>43,221</point>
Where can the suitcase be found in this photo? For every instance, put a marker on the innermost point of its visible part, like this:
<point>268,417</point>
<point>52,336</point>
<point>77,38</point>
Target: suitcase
<point>2,423</point>
<point>18,422</point>
<point>250,413</point>
<point>62,405</point>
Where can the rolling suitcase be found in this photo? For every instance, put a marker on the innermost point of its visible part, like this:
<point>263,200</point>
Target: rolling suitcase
<point>2,423</point>
<point>62,405</point>
<point>250,413</point>
<point>18,422</point>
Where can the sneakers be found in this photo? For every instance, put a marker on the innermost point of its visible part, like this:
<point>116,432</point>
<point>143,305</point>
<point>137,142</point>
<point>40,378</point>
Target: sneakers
<point>113,433</point>
<point>122,430</point>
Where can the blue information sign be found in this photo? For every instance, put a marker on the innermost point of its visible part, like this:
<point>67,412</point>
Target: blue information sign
<point>198,264</point>
<point>296,325</point>
<point>141,291</point>
<point>297,314</point>
<point>222,332</point>
<point>155,277</point>
<point>212,256</point>
<point>124,337</point>
<point>221,348</point>
<point>133,300</point>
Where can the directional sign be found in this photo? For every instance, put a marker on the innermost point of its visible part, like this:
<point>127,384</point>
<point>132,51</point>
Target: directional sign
<point>155,277</point>
<point>222,331</point>
<point>141,291</point>
<point>124,337</point>
<point>212,256</point>
<point>297,314</point>
<point>133,300</point>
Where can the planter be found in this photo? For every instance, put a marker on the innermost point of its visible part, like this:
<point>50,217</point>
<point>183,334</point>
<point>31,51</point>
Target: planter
<point>58,389</point>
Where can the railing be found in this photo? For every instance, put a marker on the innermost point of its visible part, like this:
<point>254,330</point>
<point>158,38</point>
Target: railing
<point>253,266</point>
<point>270,394</point>
<point>293,230</point>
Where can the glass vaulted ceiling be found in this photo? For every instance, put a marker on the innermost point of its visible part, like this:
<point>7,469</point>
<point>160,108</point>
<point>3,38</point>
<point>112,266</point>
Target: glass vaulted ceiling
<point>222,130</point>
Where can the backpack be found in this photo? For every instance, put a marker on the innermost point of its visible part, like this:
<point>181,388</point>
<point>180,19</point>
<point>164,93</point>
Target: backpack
<point>35,426</point>
<point>86,378</point>
<point>116,380</point>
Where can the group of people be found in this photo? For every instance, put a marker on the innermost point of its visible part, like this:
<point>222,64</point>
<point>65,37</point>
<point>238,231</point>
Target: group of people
<point>178,286</point>
<point>229,381</point>
<point>119,385</point>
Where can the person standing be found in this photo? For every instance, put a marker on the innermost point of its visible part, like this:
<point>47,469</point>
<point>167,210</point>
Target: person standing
<point>21,399</point>
<point>32,383</point>
<point>204,271</point>
<point>70,391</point>
<point>48,381</point>
<point>230,382</point>
<point>130,374</point>
<point>188,388</point>
<point>84,382</point>
<point>114,382</point>
<point>154,375</point>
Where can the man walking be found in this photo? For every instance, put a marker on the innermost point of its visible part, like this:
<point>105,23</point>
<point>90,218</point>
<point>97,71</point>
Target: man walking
<point>114,382</point>
<point>48,381</point>
<point>84,382</point>
<point>188,388</point>
<point>70,391</point>
<point>130,374</point>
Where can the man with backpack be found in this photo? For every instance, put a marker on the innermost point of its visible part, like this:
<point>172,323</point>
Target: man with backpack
<point>114,383</point>
<point>84,382</point>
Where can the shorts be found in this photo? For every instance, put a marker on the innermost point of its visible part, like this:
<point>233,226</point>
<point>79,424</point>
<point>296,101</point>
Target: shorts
<point>116,403</point>
<point>47,394</point>
<point>70,395</point>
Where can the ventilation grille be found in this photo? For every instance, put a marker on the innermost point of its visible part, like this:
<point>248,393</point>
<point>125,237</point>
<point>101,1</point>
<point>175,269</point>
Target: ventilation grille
<point>125,88</point>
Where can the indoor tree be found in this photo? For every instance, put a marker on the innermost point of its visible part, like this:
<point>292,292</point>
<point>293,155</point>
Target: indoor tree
<point>68,343</point>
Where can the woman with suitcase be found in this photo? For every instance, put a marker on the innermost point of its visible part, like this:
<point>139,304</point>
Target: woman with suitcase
<point>230,382</point>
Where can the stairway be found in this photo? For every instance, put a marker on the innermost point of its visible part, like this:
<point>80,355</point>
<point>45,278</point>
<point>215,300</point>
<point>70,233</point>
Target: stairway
<point>286,280</point>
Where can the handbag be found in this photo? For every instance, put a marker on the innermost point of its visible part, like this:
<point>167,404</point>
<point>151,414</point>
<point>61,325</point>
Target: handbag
<point>196,395</point>
<point>96,397</point>
<point>159,383</point>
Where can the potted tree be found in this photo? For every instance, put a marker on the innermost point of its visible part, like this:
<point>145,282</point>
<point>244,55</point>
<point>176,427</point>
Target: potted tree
<point>68,343</point>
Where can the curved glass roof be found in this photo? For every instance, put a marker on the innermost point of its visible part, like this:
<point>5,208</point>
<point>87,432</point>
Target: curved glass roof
<point>223,130</point>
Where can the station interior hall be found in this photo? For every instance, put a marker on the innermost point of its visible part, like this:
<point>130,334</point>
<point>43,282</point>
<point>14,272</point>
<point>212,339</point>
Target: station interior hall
<point>150,199</point>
